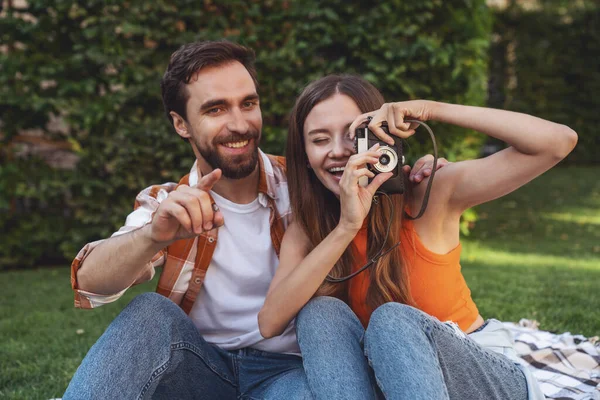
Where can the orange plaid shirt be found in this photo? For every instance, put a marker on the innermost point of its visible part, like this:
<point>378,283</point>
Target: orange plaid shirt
<point>185,262</point>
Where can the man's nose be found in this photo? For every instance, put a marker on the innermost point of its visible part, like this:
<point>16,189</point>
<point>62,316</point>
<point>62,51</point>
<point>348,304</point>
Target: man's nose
<point>237,122</point>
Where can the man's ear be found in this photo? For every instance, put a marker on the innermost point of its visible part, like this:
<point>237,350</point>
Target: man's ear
<point>180,125</point>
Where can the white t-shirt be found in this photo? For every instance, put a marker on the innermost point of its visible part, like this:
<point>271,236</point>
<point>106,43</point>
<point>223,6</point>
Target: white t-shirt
<point>237,281</point>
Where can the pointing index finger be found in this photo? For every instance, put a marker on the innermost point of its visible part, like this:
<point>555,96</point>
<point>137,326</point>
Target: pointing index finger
<point>207,182</point>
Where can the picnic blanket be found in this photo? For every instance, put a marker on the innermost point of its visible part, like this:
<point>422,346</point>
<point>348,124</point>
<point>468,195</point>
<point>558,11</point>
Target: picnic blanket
<point>566,366</point>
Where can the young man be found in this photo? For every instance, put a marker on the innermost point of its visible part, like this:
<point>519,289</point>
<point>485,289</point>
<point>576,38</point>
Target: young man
<point>200,339</point>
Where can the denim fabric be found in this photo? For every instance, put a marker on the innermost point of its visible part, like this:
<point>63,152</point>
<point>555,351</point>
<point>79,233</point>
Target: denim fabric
<point>152,350</point>
<point>496,337</point>
<point>404,353</point>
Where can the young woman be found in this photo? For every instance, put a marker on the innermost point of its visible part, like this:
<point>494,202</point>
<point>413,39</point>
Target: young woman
<point>379,333</point>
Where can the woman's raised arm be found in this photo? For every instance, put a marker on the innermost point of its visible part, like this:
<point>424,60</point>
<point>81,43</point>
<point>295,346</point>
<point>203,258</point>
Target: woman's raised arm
<point>535,146</point>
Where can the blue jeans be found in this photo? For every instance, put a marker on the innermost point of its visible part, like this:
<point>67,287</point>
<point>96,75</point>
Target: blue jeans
<point>403,354</point>
<point>152,350</point>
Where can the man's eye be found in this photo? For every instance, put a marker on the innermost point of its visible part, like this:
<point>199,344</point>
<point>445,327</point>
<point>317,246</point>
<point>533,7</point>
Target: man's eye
<point>214,110</point>
<point>249,104</point>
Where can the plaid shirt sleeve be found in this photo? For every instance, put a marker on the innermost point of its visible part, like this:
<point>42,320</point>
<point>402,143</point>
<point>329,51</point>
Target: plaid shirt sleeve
<point>146,203</point>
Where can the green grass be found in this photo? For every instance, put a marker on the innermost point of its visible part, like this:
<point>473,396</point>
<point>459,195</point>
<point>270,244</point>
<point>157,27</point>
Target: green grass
<point>44,338</point>
<point>533,254</point>
<point>536,253</point>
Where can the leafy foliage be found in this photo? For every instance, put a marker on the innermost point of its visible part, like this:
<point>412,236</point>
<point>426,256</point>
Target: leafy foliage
<point>546,63</point>
<point>97,65</point>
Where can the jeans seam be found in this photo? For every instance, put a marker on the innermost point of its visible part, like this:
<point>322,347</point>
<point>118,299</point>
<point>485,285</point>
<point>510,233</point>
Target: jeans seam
<point>370,363</point>
<point>195,350</point>
<point>236,371</point>
<point>377,381</point>
<point>178,346</point>
<point>427,327</point>
<point>157,372</point>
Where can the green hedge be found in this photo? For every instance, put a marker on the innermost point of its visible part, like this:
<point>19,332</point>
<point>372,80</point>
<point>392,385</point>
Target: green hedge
<point>546,63</point>
<point>98,64</point>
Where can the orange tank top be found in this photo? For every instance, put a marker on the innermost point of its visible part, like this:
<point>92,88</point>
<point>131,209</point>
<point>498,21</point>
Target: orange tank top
<point>435,280</point>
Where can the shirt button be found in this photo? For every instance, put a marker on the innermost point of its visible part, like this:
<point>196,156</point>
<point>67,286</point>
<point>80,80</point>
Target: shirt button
<point>197,280</point>
<point>211,239</point>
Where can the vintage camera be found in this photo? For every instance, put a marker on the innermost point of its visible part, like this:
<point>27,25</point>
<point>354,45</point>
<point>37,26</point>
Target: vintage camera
<point>391,158</point>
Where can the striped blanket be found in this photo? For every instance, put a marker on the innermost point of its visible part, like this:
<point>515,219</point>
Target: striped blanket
<point>566,366</point>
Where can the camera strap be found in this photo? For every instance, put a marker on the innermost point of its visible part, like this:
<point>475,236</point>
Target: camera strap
<point>381,252</point>
<point>435,158</point>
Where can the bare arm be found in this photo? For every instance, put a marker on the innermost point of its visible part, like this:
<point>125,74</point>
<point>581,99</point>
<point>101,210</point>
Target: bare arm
<point>299,274</point>
<point>116,263</point>
<point>536,145</point>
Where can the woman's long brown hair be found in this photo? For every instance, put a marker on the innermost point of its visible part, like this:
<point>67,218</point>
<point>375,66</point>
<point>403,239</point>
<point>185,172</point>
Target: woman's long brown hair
<point>317,209</point>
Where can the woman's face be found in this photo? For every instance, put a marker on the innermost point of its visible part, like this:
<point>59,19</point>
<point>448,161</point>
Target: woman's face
<point>328,146</point>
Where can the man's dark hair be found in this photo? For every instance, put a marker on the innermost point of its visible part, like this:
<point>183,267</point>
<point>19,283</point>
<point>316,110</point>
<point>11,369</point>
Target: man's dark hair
<point>191,58</point>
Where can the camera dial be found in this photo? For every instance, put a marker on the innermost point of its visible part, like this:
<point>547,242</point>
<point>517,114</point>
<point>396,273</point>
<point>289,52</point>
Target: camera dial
<point>388,160</point>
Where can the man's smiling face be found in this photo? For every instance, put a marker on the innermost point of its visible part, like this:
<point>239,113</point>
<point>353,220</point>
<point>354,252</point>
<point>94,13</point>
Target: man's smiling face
<point>224,120</point>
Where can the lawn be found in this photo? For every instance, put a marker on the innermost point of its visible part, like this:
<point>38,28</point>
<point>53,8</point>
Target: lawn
<point>533,254</point>
<point>536,253</point>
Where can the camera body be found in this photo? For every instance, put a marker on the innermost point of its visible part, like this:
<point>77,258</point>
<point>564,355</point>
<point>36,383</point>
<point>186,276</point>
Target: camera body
<point>391,158</point>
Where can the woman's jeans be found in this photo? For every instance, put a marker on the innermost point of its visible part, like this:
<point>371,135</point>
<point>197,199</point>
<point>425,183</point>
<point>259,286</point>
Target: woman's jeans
<point>152,350</point>
<point>403,354</point>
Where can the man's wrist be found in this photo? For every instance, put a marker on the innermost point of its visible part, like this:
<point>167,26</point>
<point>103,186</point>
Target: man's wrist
<point>145,234</point>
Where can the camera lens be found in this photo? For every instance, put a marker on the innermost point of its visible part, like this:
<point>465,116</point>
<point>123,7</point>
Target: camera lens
<point>384,159</point>
<point>388,160</point>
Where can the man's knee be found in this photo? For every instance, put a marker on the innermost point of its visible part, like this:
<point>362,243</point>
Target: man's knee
<point>149,309</point>
<point>152,302</point>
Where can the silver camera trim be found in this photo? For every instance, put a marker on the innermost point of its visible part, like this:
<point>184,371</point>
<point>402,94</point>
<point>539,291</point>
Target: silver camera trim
<point>393,159</point>
<point>362,145</point>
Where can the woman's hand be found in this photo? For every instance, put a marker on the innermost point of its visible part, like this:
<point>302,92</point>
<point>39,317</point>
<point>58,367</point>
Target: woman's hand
<point>423,167</point>
<point>395,114</point>
<point>355,200</point>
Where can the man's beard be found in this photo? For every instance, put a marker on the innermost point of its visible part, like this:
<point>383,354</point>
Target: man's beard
<point>236,167</point>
